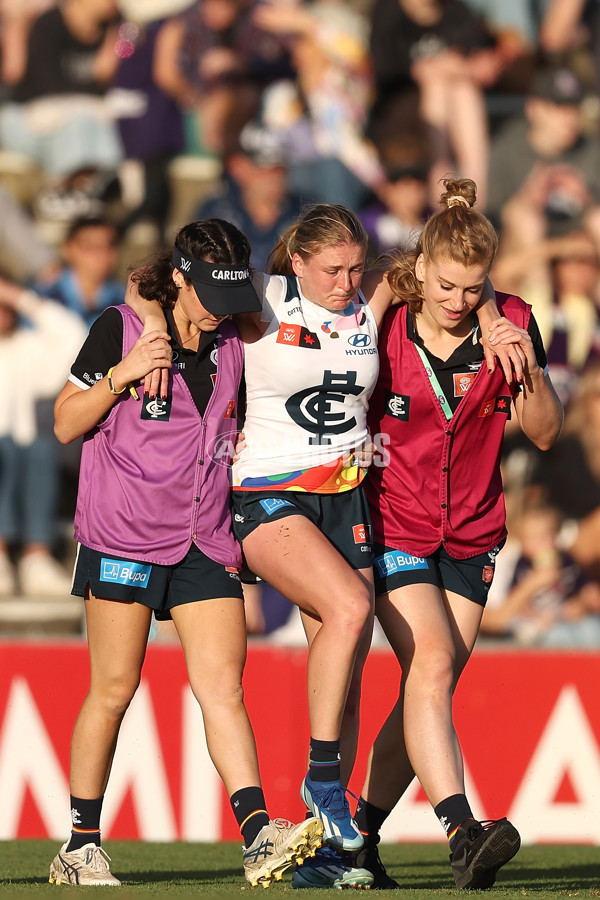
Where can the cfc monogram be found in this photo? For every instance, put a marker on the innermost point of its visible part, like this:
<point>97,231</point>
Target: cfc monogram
<point>312,408</point>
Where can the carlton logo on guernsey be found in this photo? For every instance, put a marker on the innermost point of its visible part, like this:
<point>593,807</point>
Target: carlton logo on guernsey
<point>309,393</point>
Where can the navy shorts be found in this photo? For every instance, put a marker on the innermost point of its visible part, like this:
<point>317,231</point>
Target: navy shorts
<point>470,578</point>
<point>343,518</point>
<point>196,577</point>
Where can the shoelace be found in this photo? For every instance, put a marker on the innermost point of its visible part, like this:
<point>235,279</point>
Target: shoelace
<point>328,854</point>
<point>334,799</point>
<point>97,859</point>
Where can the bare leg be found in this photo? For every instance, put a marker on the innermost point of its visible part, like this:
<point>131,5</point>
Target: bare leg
<point>453,111</point>
<point>433,637</point>
<point>298,560</point>
<point>117,636</point>
<point>215,666</point>
<point>468,130</point>
<point>351,718</point>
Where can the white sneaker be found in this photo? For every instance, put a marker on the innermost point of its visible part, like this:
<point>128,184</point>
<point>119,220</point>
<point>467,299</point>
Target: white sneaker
<point>8,582</point>
<point>40,575</point>
<point>88,865</point>
<point>278,845</point>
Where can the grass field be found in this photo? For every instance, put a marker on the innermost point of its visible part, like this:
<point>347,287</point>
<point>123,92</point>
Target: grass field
<point>188,870</point>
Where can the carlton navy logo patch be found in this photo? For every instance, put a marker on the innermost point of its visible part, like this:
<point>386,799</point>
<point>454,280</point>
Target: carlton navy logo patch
<point>397,405</point>
<point>158,409</point>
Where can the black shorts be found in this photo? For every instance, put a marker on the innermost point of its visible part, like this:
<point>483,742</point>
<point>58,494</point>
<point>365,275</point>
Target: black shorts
<point>471,578</point>
<point>196,577</point>
<point>343,518</point>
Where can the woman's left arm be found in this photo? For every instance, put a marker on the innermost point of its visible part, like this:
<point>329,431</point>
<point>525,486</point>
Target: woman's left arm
<point>538,408</point>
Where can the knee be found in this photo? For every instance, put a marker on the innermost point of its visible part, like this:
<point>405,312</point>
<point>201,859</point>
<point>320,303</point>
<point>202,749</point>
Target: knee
<point>224,691</point>
<point>353,611</point>
<point>435,673</point>
<point>115,696</point>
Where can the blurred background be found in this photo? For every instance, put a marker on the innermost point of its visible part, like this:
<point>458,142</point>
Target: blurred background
<point>121,120</point>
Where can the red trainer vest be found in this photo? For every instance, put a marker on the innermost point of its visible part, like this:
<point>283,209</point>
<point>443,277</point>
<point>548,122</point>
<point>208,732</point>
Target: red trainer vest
<point>442,482</point>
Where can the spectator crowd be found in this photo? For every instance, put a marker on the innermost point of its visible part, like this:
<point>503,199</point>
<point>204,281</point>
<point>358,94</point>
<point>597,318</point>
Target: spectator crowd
<point>366,103</point>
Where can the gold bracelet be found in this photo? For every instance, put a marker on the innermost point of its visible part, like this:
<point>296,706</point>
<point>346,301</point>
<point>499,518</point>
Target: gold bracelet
<point>111,384</point>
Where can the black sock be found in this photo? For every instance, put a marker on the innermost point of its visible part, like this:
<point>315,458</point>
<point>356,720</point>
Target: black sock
<point>249,809</point>
<point>452,812</point>
<point>85,816</point>
<point>369,819</point>
<point>324,764</point>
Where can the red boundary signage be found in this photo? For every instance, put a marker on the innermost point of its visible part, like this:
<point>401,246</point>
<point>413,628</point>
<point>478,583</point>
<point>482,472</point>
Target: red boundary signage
<point>529,724</point>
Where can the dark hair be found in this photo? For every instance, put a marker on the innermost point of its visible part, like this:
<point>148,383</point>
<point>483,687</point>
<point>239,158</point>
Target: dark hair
<point>322,225</point>
<point>457,233</point>
<point>209,240</point>
<point>82,222</point>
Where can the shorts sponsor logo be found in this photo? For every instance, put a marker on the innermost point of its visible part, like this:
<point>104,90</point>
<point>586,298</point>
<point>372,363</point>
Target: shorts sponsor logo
<point>233,572</point>
<point>397,561</point>
<point>360,534</point>
<point>397,405</point>
<point>119,572</point>
<point>487,574</point>
<point>238,518</point>
<point>274,503</point>
<point>462,382</point>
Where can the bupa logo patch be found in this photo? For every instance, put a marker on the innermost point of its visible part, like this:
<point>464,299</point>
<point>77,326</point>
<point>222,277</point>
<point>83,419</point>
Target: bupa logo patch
<point>397,405</point>
<point>396,561</point>
<point>274,503</point>
<point>119,572</point>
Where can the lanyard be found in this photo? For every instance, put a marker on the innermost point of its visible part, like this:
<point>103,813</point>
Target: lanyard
<point>433,380</point>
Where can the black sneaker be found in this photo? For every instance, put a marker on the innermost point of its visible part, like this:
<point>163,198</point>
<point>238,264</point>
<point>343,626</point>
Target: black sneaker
<point>368,858</point>
<point>480,849</point>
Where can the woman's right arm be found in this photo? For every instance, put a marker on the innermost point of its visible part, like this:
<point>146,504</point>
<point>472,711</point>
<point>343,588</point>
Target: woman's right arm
<point>78,410</point>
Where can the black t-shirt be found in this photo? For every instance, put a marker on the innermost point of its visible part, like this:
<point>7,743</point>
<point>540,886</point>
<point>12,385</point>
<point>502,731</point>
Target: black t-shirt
<point>103,348</point>
<point>57,61</point>
<point>397,41</point>
<point>456,373</point>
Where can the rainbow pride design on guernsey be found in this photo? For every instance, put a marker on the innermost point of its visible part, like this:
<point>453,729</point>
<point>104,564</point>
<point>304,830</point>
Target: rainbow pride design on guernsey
<point>331,478</point>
